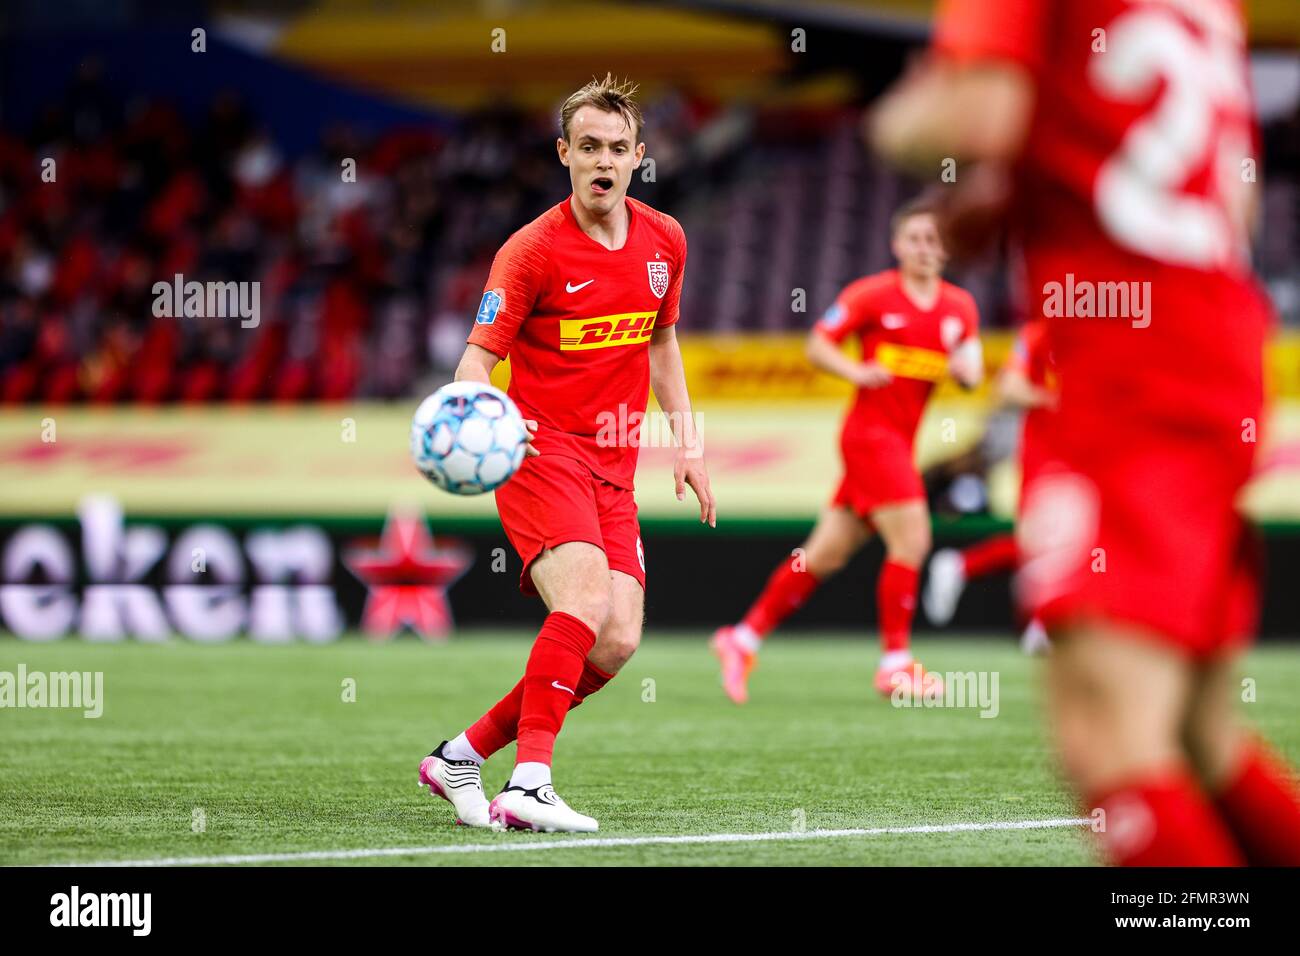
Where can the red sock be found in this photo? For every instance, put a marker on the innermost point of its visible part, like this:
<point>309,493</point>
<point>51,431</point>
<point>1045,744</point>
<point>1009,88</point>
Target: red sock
<point>895,604</point>
<point>592,680</point>
<point>785,593</point>
<point>998,553</point>
<point>1164,820</point>
<point>500,725</point>
<point>550,684</point>
<point>1262,808</point>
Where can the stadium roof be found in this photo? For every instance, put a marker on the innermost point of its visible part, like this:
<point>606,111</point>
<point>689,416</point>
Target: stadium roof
<point>444,53</point>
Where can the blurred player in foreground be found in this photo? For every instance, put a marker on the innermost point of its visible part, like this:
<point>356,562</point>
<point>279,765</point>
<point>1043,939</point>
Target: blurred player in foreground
<point>915,329</point>
<point>584,299</point>
<point>1027,383</point>
<point>1130,129</point>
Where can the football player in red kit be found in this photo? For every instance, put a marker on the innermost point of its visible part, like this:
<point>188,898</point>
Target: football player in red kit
<point>1026,382</point>
<point>584,300</point>
<point>1128,126</point>
<point>915,329</point>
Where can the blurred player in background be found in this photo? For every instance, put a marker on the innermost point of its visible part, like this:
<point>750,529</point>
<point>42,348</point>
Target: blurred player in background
<point>584,300</point>
<point>1027,383</point>
<point>915,329</point>
<point>1129,128</point>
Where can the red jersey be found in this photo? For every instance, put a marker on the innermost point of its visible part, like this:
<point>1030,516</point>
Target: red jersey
<point>913,343</point>
<point>575,319</point>
<point>1139,159</point>
<point>1032,357</point>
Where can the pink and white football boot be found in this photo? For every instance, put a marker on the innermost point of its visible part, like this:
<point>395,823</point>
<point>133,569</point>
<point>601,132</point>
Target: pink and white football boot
<point>737,662</point>
<point>460,783</point>
<point>909,679</point>
<point>540,810</point>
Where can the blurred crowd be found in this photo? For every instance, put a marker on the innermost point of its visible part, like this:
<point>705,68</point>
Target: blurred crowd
<point>370,255</point>
<point>368,282</point>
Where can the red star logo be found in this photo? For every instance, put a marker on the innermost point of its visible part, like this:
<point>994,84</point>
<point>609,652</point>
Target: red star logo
<point>408,575</point>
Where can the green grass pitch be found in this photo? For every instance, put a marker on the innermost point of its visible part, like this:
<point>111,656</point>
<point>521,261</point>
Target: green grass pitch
<point>239,749</point>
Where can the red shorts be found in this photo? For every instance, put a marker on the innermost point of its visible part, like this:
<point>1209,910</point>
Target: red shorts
<point>878,470</point>
<point>1136,523</point>
<point>554,499</point>
<point>1034,454</point>
<point>1132,516</point>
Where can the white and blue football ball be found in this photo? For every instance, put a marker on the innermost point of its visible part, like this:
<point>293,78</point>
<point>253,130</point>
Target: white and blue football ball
<point>468,438</point>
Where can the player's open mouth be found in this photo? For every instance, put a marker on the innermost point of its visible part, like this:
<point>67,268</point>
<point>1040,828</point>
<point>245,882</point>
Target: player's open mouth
<point>601,185</point>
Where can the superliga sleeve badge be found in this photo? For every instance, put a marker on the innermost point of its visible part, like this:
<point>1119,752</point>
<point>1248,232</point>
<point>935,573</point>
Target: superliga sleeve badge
<point>658,278</point>
<point>489,306</point>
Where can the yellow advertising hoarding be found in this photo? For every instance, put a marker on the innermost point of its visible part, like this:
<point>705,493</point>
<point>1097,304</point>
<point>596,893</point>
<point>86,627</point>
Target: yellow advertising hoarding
<point>777,459</point>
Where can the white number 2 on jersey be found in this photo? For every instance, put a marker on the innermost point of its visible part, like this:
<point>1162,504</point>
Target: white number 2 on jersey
<point>1138,195</point>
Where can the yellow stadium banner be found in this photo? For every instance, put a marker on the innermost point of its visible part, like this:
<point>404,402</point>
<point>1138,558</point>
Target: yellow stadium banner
<point>774,367</point>
<point>776,459</point>
<point>1284,366</point>
<point>758,367</point>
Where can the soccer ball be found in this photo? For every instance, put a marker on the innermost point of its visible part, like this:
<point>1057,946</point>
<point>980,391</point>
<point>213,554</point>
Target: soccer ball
<point>468,438</point>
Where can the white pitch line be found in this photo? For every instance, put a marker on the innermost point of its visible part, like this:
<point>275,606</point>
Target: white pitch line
<point>588,842</point>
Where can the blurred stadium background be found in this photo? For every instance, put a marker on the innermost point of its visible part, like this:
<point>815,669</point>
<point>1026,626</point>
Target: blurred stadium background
<point>127,441</point>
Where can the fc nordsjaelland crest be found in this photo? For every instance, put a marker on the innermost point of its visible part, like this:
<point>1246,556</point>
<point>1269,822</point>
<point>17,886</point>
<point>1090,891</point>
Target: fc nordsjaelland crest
<point>658,278</point>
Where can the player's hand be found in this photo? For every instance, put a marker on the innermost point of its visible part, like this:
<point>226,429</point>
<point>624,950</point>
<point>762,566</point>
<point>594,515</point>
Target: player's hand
<point>1047,398</point>
<point>871,375</point>
<point>966,364</point>
<point>690,470</point>
<point>973,210</point>
<point>530,432</point>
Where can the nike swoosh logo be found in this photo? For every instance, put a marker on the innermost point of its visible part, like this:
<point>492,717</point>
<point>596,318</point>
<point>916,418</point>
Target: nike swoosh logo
<point>558,686</point>
<point>893,321</point>
<point>570,287</point>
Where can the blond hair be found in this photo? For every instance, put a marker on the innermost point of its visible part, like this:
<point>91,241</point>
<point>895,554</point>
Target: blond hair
<point>610,96</point>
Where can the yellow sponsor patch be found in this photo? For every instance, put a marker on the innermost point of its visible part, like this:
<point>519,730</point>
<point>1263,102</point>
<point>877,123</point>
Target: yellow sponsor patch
<point>604,331</point>
<point>906,361</point>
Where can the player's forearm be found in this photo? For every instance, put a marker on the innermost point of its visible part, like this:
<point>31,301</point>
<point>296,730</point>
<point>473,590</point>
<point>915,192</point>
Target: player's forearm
<point>966,363</point>
<point>972,113</point>
<point>826,356</point>
<point>476,365</point>
<point>668,381</point>
<point>1015,390</point>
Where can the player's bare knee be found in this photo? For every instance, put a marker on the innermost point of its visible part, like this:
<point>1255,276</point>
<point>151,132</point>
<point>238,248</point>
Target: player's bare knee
<point>918,544</point>
<point>591,604</point>
<point>825,555</point>
<point>824,563</point>
<point>924,543</point>
<point>909,545</point>
<point>619,638</point>
<point>617,645</point>
<point>596,607</point>
<point>910,551</point>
